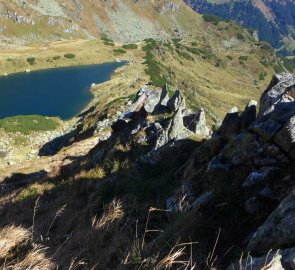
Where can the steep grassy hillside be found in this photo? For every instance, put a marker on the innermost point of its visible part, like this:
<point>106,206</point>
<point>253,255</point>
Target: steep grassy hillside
<point>274,20</point>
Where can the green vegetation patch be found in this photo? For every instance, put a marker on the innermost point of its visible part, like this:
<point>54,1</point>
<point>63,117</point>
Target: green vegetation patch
<point>69,55</point>
<point>240,36</point>
<point>107,40</point>
<point>34,191</point>
<point>212,19</point>
<point>130,46</point>
<point>243,58</point>
<point>262,75</point>
<point>119,51</point>
<point>185,55</point>
<point>278,68</point>
<point>193,50</point>
<point>153,67</point>
<point>31,60</point>
<point>132,97</point>
<point>27,124</point>
<point>289,65</point>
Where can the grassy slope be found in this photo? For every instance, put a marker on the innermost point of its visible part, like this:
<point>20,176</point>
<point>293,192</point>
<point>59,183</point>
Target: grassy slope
<point>28,124</point>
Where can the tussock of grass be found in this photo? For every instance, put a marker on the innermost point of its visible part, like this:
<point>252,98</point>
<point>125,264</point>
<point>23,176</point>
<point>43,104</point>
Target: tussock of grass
<point>112,212</point>
<point>97,173</point>
<point>34,190</point>
<point>36,259</point>
<point>11,237</point>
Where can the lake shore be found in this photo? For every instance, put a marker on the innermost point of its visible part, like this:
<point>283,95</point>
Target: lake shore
<point>123,82</point>
<point>52,55</point>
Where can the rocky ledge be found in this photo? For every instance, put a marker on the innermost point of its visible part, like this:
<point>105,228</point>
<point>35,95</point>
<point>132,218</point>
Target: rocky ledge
<point>250,160</point>
<point>156,120</point>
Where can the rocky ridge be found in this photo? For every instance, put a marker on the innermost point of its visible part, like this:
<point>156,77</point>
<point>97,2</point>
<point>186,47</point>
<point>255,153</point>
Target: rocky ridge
<point>249,158</point>
<point>154,119</point>
<point>253,157</point>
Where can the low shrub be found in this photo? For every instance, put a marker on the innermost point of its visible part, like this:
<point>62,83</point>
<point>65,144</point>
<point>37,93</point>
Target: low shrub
<point>278,68</point>
<point>130,46</point>
<point>31,60</point>
<point>120,51</point>
<point>193,50</point>
<point>243,58</point>
<point>107,40</point>
<point>240,36</point>
<point>262,75</point>
<point>69,55</point>
<point>185,55</point>
<point>212,19</point>
<point>289,65</point>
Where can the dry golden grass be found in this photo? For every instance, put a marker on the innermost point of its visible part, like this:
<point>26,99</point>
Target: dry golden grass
<point>112,212</point>
<point>36,259</point>
<point>11,237</point>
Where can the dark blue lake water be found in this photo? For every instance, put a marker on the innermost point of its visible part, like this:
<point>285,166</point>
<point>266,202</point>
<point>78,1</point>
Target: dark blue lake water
<point>62,92</point>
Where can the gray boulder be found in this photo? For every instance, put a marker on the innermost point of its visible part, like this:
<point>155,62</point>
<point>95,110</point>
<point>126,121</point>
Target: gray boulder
<point>196,122</point>
<point>165,96</point>
<point>249,114</point>
<point>242,149</point>
<point>278,230</point>
<point>175,102</point>
<point>152,102</point>
<point>231,124</point>
<point>285,138</point>
<point>269,174</point>
<point>265,129</point>
<point>278,92</point>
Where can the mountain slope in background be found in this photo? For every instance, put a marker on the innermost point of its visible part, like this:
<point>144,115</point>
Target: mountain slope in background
<point>124,21</point>
<point>274,19</point>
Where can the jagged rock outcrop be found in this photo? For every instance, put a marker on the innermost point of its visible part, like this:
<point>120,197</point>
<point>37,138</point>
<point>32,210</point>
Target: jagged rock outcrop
<point>156,120</point>
<point>250,160</point>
